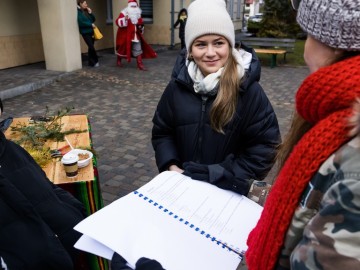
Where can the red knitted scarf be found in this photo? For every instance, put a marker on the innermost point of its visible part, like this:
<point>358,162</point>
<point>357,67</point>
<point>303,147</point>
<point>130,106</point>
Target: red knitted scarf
<point>325,99</point>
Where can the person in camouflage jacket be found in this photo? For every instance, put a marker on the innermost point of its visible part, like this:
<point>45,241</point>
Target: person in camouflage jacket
<point>327,221</point>
<point>311,218</point>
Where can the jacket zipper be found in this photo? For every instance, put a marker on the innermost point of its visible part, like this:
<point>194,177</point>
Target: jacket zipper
<point>201,129</point>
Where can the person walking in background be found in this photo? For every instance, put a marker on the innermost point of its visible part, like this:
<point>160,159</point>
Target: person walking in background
<point>181,20</point>
<point>86,21</point>
<point>311,217</point>
<point>129,38</point>
<point>214,122</point>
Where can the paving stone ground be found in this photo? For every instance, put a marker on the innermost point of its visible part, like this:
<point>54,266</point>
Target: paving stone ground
<point>120,103</point>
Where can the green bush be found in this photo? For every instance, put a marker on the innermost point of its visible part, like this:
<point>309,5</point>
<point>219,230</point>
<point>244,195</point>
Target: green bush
<point>279,20</point>
<point>272,27</point>
<point>253,27</point>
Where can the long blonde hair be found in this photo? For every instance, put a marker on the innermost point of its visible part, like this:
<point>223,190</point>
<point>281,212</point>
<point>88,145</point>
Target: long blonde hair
<point>224,106</point>
<point>299,126</point>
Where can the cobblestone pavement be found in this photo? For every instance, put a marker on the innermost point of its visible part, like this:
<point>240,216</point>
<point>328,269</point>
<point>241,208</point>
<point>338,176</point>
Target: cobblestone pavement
<point>120,103</point>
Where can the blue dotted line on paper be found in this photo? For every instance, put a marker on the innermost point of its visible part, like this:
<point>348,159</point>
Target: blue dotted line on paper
<point>192,226</point>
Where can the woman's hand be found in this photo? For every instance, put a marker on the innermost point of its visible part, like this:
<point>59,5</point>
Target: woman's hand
<point>89,10</point>
<point>176,169</point>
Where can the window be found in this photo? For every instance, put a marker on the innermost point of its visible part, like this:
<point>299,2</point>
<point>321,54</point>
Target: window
<point>147,10</point>
<point>231,8</point>
<point>238,9</point>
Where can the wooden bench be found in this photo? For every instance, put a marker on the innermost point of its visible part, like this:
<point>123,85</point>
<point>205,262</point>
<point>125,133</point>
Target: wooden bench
<point>272,46</point>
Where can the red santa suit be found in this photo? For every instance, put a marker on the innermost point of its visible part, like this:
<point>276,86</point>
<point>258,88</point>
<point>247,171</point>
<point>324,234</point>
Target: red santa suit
<point>130,29</point>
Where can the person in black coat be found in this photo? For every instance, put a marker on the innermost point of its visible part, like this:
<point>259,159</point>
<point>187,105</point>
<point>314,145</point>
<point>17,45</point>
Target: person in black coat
<point>36,216</point>
<point>181,20</point>
<point>86,19</point>
<point>214,122</point>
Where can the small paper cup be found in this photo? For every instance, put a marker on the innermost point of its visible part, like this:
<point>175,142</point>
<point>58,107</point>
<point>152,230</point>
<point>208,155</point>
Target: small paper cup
<point>70,162</point>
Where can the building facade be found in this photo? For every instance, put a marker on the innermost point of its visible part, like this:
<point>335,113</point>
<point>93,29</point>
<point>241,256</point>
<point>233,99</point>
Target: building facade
<point>252,7</point>
<point>46,30</point>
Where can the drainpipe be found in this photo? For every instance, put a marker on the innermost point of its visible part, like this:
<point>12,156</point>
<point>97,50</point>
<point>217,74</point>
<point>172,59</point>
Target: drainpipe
<point>172,24</point>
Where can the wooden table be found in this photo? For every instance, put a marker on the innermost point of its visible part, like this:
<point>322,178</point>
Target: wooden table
<point>54,169</point>
<point>85,186</point>
<point>273,53</point>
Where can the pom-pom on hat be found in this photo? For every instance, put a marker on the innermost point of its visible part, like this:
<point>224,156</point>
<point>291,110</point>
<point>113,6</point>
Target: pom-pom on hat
<point>335,23</point>
<point>206,17</point>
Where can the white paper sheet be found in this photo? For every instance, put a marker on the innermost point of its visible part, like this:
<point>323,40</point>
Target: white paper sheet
<point>223,214</point>
<point>88,244</point>
<point>140,225</point>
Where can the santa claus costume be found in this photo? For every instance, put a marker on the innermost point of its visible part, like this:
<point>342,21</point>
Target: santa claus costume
<point>129,39</point>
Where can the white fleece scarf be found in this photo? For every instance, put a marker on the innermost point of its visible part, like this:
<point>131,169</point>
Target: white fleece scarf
<point>209,85</point>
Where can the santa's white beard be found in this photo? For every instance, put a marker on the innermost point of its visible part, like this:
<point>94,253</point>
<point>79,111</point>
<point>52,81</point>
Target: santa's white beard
<point>134,14</point>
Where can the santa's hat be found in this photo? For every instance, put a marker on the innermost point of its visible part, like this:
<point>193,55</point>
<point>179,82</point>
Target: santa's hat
<point>132,3</point>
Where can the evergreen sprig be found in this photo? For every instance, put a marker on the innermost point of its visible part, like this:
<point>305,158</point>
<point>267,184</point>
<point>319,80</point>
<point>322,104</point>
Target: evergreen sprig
<point>34,135</point>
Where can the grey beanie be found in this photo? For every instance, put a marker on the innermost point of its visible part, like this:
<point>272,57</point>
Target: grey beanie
<point>335,23</point>
<point>208,17</point>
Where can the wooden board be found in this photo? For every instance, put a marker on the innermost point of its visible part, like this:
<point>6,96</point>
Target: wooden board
<point>54,169</point>
<point>270,51</point>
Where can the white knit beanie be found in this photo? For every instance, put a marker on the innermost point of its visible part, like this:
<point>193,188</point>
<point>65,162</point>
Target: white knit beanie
<point>335,23</point>
<point>208,17</point>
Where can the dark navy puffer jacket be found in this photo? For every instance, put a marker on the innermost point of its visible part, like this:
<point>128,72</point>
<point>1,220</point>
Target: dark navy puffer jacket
<point>36,216</point>
<point>182,132</point>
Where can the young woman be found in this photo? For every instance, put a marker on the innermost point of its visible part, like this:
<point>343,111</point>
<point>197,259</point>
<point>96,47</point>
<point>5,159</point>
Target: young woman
<point>86,24</point>
<point>311,218</point>
<point>214,122</point>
